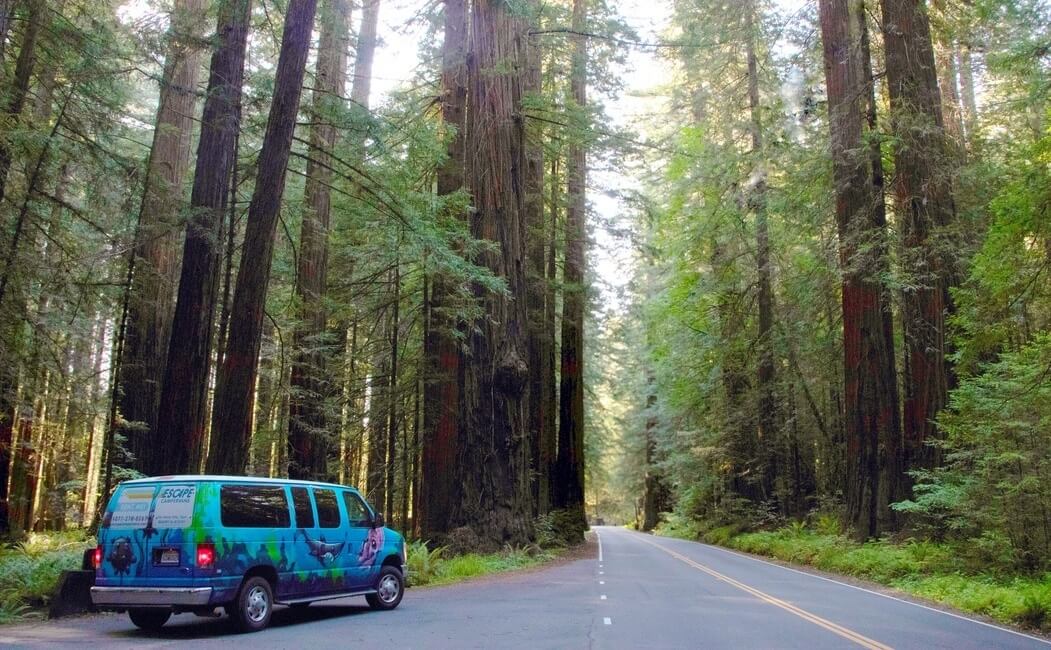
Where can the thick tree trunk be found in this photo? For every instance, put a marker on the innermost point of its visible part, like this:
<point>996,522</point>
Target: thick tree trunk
<point>768,418</point>
<point>182,411</point>
<point>235,380</point>
<point>870,377</point>
<point>569,489</point>
<point>309,444</point>
<point>444,377</point>
<point>541,393</point>
<point>925,208</point>
<point>155,253</point>
<point>651,495</point>
<point>495,496</point>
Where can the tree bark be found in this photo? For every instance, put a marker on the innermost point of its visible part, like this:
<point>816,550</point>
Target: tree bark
<point>183,406</point>
<point>495,496</point>
<point>569,489</point>
<point>376,468</point>
<point>768,418</point>
<point>925,207</point>
<point>541,393</point>
<point>362,86</point>
<point>235,380</point>
<point>870,376</point>
<point>155,249</point>
<point>444,376</point>
<point>309,443</point>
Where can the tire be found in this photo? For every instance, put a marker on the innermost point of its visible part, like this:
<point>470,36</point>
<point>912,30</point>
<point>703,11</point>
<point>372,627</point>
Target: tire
<point>390,587</point>
<point>149,619</point>
<point>251,610</point>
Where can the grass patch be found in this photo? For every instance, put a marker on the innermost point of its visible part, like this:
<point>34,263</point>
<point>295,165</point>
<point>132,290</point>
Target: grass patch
<point>927,569</point>
<point>31,570</point>
<point>432,567</point>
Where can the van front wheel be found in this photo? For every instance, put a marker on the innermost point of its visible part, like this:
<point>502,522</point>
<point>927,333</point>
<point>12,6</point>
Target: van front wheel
<point>149,619</point>
<point>389,589</point>
<point>254,605</point>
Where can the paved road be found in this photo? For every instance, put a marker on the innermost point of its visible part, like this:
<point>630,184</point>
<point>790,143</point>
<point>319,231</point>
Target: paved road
<point>641,592</point>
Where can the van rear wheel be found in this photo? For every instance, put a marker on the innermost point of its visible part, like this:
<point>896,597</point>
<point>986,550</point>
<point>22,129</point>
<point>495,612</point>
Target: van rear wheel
<point>252,608</point>
<point>149,619</point>
<point>389,589</point>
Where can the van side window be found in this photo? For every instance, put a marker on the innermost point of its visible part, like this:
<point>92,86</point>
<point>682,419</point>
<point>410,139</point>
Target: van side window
<point>301,502</point>
<point>253,506</point>
<point>327,508</point>
<point>356,510</point>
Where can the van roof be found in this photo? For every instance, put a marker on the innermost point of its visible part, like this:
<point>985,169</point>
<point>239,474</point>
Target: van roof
<point>219,477</point>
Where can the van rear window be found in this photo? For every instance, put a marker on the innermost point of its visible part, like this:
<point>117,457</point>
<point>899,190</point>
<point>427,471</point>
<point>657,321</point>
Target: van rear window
<point>253,506</point>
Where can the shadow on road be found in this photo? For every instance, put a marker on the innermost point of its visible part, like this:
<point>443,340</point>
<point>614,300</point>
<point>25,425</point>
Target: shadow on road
<point>188,626</point>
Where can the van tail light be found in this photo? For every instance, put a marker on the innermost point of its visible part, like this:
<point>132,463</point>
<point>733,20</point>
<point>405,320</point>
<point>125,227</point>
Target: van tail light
<point>96,558</point>
<point>205,555</point>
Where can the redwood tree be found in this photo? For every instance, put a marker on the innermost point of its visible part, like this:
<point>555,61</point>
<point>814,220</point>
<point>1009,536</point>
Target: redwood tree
<point>235,380</point>
<point>183,405</point>
<point>308,442</point>
<point>494,500</point>
<point>568,490</point>
<point>926,212</point>
<point>873,429</point>
<point>444,380</point>
<point>155,261</point>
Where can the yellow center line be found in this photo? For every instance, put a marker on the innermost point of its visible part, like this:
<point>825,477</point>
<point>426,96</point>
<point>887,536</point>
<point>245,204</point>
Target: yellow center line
<point>862,641</point>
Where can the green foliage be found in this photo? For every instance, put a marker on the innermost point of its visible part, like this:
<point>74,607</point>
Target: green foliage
<point>996,484</point>
<point>31,570</point>
<point>944,572</point>
<point>432,568</point>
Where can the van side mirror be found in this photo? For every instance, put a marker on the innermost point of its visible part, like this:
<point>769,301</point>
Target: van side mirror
<point>377,521</point>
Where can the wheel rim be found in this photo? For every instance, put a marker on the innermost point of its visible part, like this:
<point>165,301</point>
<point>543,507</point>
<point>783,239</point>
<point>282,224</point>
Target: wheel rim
<point>388,589</point>
<point>257,604</point>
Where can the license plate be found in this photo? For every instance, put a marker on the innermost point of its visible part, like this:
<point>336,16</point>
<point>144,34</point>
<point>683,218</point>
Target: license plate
<point>169,556</point>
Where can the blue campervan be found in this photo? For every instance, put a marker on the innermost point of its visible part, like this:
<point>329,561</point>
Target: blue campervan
<point>178,544</point>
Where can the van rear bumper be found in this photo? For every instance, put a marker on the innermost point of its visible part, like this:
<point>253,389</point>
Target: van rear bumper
<point>150,596</point>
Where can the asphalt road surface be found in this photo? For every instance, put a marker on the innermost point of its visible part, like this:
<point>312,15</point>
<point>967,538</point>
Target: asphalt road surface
<point>640,592</point>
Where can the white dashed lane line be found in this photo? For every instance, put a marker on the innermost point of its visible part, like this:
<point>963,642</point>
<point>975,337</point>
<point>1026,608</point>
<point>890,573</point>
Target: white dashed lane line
<point>602,597</point>
<point>607,621</point>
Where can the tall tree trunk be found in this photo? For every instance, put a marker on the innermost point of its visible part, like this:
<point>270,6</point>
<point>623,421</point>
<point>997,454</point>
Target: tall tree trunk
<point>362,86</point>
<point>769,421</point>
<point>873,428</point>
<point>651,488</point>
<point>495,496</point>
<point>924,200</point>
<point>36,11</point>
<point>155,249</point>
<point>378,416</point>
<point>309,444</point>
<point>548,453</point>
<point>184,393</point>
<point>392,391</point>
<point>235,381</point>
<point>444,378</point>
<point>541,393</point>
<point>569,491</point>
<point>967,94</point>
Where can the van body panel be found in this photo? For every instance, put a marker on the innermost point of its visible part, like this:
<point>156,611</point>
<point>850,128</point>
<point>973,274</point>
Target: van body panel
<point>154,530</point>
